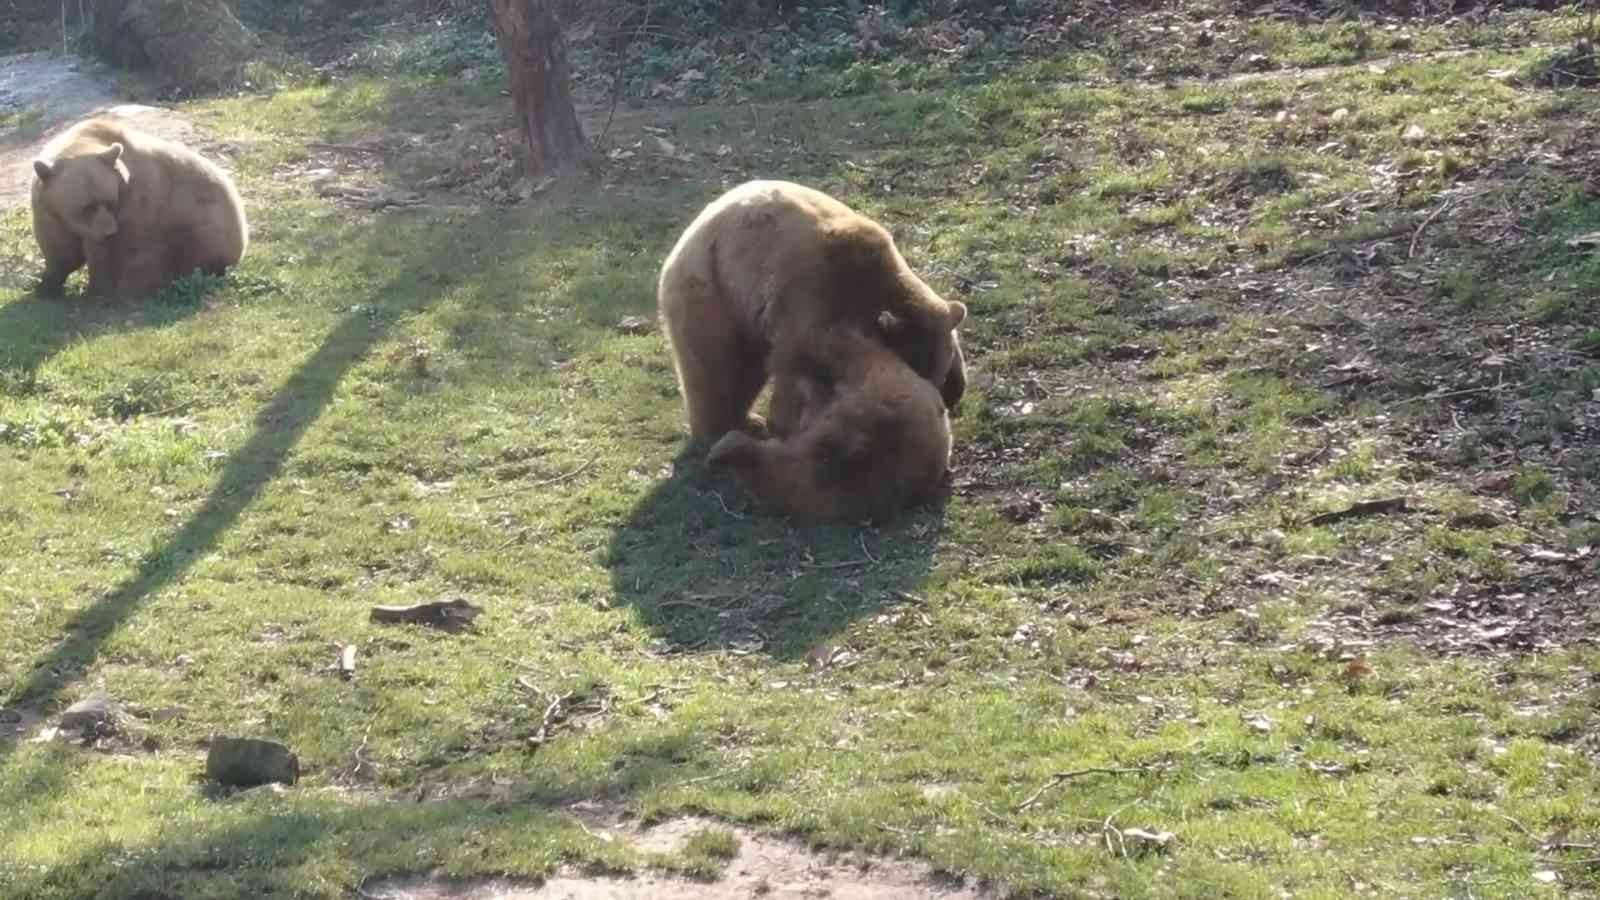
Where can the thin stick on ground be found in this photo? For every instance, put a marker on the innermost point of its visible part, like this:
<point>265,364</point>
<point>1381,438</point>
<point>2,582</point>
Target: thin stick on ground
<point>1061,778</point>
<point>1461,393</point>
<point>868,553</point>
<point>1364,508</point>
<point>538,484</point>
<point>1412,253</point>
<point>724,504</point>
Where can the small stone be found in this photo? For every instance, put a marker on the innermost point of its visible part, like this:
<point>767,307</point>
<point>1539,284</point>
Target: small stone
<point>1339,115</point>
<point>1414,134</point>
<point>89,713</point>
<point>1020,509</point>
<point>247,762</point>
<point>635,325</point>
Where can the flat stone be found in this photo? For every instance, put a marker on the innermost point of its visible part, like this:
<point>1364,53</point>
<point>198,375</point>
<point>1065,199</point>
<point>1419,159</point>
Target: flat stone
<point>89,713</point>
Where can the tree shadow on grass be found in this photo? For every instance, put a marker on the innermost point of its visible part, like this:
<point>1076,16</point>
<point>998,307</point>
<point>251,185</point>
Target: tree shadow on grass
<point>311,841</point>
<point>275,431</point>
<point>288,846</point>
<point>705,570</point>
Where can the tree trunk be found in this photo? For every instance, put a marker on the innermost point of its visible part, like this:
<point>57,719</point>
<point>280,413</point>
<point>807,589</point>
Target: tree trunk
<point>541,83</point>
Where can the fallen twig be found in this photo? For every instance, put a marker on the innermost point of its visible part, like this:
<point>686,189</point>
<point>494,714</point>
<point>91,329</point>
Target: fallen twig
<point>552,716</point>
<point>868,553</point>
<point>712,777</point>
<point>537,484</point>
<point>670,603</point>
<point>1520,827</point>
<point>1364,508</point>
<point>1107,830</point>
<point>1461,393</point>
<point>1061,778</point>
<point>1412,253</point>
<point>342,148</point>
<point>848,564</point>
<point>724,504</point>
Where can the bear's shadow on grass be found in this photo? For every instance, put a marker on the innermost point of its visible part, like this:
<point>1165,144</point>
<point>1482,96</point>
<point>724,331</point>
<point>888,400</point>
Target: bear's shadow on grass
<point>706,570</point>
<point>35,327</point>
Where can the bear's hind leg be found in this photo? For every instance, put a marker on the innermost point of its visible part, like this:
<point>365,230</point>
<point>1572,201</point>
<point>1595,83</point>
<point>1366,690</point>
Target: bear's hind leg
<point>719,372</point>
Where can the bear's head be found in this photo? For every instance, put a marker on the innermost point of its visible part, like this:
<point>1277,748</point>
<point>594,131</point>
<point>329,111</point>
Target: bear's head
<point>931,345</point>
<point>84,190</point>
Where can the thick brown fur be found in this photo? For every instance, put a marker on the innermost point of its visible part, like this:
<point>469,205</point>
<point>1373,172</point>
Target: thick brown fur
<point>767,266</point>
<point>138,210</point>
<point>869,437</point>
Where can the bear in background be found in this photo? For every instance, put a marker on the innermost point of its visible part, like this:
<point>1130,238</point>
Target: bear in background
<point>865,437</point>
<point>767,266</point>
<point>140,211</point>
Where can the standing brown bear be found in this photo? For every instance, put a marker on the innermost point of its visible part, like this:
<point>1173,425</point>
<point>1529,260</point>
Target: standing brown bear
<point>869,436</point>
<point>140,211</point>
<point>770,265</point>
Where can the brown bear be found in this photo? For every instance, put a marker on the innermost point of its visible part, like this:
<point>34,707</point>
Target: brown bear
<point>771,263</point>
<point>139,210</point>
<point>869,437</point>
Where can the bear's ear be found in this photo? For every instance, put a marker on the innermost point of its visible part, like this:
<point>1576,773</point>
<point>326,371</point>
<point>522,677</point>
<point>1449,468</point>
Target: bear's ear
<point>43,170</point>
<point>958,313</point>
<point>111,154</point>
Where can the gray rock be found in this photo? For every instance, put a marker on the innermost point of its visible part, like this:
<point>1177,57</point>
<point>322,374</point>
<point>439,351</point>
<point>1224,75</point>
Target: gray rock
<point>90,713</point>
<point>247,762</point>
<point>635,325</point>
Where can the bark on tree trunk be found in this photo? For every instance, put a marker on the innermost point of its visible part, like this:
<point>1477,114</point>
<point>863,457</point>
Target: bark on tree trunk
<point>541,83</point>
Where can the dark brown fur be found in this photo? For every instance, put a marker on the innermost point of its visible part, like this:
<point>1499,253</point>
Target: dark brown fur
<point>766,267</point>
<point>139,211</point>
<point>868,437</point>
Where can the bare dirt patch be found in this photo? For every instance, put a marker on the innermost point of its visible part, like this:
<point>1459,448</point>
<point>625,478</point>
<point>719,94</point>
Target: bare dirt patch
<point>43,93</point>
<point>764,866</point>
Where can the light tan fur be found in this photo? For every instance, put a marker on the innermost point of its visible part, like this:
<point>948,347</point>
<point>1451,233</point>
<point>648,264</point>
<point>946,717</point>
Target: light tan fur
<point>868,438</point>
<point>138,210</point>
<point>767,266</point>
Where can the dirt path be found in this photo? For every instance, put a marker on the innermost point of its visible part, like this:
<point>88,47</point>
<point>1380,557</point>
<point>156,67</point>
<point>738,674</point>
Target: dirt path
<point>43,93</point>
<point>763,866</point>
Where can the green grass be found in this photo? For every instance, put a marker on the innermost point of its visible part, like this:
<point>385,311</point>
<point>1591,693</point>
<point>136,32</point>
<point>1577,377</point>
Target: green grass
<point>206,493</point>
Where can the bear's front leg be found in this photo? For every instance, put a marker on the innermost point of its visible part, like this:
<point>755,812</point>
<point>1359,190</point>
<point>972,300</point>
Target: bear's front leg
<point>140,275</point>
<point>61,248</point>
<point>102,259</point>
<point>55,274</point>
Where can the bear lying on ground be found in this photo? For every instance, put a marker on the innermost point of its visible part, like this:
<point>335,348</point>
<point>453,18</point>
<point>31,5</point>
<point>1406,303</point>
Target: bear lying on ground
<point>140,211</point>
<point>869,437</point>
<point>768,265</point>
